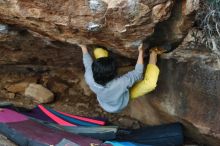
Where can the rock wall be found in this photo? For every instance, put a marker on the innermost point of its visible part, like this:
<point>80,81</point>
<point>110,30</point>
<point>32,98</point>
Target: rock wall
<point>37,45</point>
<point>188,91</point>
<point>5,142</point>
<point>119,25</point>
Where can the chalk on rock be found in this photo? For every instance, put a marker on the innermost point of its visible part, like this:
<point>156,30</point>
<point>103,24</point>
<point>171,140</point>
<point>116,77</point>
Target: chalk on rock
<point>136,43</point>
<point>94,27</point>
<point>39,93</point>
<point>3,28</point>
<point>96,5</point>
<point>133,6</point>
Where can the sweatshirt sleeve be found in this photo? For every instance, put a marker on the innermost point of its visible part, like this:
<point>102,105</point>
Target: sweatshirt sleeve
<point>87,61</point>
<point>131,77</point>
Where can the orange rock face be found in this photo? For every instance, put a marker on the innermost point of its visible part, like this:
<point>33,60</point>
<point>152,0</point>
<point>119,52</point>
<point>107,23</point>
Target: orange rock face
<point>119,25</point>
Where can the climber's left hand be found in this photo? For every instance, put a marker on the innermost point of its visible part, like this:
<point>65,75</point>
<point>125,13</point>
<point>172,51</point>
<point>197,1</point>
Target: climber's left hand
<point>84,48</point>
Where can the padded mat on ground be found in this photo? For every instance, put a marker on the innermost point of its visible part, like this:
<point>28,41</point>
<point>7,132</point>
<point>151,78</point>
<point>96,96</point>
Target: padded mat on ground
<point>97,132</point>
<point>25,132</point>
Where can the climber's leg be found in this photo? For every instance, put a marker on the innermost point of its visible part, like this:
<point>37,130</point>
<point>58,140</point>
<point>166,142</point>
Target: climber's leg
<point>149,82</point>
<point>146,85</point>
<point>99,53</point>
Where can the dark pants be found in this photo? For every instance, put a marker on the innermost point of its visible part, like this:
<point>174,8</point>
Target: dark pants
<point>163,135</point>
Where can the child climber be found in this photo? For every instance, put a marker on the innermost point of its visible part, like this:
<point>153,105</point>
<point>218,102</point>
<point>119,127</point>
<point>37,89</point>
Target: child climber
<point>113,93</point>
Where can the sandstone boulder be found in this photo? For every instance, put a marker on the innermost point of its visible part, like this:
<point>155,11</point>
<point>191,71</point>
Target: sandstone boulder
<point>5,142</point>
<point>6,94</point>
<point>119,25</point>
<point>188,91</point>
<point>18,87</point>
<point>39,93</point>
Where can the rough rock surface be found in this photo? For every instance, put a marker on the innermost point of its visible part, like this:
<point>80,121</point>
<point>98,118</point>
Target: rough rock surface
<point>39,93</point>
<point>188,91</point>
<point>5,142</point>
<point>120,24</point>
<point>38,47</point>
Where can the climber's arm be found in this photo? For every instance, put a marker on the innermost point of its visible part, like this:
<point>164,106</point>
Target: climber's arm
<point>87,59</point>
<point>140,59</point>
<point>131,77</point>
<point>153,58</point>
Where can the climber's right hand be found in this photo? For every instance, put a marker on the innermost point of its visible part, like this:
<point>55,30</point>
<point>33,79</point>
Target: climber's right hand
<point>140,48</point>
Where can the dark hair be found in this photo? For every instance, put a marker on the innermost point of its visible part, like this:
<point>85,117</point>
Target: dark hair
<point>104,70</point>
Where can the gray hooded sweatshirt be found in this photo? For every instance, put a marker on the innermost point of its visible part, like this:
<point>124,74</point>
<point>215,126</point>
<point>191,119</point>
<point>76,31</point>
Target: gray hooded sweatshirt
<point>114,96</point>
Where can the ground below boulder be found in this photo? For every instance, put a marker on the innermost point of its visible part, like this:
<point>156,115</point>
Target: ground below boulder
<point>5,142</point>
